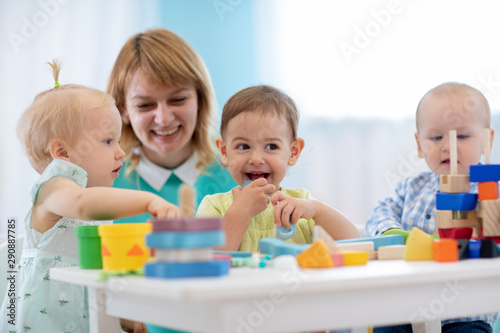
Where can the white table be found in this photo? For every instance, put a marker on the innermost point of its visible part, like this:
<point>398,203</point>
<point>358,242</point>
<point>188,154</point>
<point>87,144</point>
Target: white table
<point>269,300</point>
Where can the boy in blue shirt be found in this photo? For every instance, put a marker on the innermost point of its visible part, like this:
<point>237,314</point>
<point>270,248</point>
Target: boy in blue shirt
<point>449,106</point>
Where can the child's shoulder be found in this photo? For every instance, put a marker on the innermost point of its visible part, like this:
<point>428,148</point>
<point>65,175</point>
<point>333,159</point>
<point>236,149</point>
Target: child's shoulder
<point>419,181</point>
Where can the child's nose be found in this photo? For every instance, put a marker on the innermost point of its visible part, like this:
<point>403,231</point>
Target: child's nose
<point>120,153</point>
<point>256,158</point>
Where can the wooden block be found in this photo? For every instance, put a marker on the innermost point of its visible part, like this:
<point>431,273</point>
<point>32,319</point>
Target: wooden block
<point>418,246</point>
<point>456,201</point>
<point>489,217</point>
<point>489,249</point>
<point>484,173</point>
<point>316,256</point>
<point>170,270</point>
<point>487,191</point>
<point>353,258</point>
<point>181,240</point>
<point>445,250</point>
<point>338,259</point>
<point>454,183</point>
<point>397,232</point>
<point>447,219</point>
<point>320,234</point>
<point>277,247</point>
<point>463,249</point>
<point>474,249</point>
<point>391,252</point>
<point>377,241</point>
<point>368,247</point>
<point>456,233</point>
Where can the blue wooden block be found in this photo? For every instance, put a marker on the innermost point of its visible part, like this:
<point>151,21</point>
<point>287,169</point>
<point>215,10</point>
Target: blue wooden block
<point>378,241</point>
<point>170,270</point>
<point>484,173</point>
<point>235,254</point>
<point>277,247</point>
<point>474,249</point>
<point>183,240</point>
<point>456,201</point>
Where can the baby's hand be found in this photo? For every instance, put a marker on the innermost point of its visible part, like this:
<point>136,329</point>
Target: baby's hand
<point>161,208</point>
<point>254,198</point>
<point>290,210</point>
<point>130,326</point>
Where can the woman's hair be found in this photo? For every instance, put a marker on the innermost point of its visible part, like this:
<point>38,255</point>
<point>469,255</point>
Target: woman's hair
<point>167,60</point>
<point>56,113</point>
<point>264,99</point>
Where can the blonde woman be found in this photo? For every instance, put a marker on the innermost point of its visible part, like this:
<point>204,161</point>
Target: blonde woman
<point>165,97</point>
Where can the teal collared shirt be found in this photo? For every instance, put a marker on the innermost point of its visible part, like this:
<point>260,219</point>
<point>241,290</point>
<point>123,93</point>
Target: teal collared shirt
<point>166,182</point>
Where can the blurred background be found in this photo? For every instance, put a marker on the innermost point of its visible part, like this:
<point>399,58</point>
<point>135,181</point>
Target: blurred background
<point>357,70</point>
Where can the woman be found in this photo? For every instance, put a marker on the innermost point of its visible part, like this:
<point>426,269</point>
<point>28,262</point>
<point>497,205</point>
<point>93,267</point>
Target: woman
<point>165,97</point>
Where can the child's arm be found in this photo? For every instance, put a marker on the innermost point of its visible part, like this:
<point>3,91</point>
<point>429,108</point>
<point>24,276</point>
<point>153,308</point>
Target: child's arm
<point>290,210</point>
<point>62,197</point>
<point>247,203</point>
<point>387,213</point>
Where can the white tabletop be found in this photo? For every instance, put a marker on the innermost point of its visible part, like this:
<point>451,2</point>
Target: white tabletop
<point>262,300</point>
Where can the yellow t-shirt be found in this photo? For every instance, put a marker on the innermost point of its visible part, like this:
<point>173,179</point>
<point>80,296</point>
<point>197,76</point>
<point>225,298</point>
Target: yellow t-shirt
<point>262,225</point>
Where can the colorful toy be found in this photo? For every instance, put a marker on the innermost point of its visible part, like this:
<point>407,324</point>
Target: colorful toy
<point>123,247</point>
<point>89,247</point>
<point>184,247</point>
<point>445,250</point>
<point>418,246</point>
<point>378,241</point>
<point>316,256</point>
<point>391,252</point>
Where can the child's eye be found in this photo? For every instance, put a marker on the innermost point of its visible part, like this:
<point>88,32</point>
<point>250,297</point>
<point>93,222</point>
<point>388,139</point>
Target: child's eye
<point>108,141</point>
<point>461,137</point>
<point>271,146</point>
<point>243,146</point>
<point>436,138</point>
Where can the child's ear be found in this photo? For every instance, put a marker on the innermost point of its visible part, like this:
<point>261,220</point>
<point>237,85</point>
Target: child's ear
<point>419,147</point>
<point>222,148</point>
<point>492,131</point>
<point>296,149</point>
<point>59,149</point>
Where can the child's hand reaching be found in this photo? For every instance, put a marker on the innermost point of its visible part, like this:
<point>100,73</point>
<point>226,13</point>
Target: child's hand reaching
<point>160,208</point>
<point>130,326</point>
<point>290,210</point>
<point>254,198</point>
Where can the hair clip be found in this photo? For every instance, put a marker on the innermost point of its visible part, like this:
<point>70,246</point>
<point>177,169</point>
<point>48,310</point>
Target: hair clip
<point>56,84</point>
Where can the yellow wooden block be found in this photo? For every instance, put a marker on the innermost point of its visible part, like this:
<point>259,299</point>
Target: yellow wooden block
<point>391,252</point>
<point>454,183</point>
<point>447,219</point>
<point>316,256</point>
<point>368,247</point>
<point>352,258</point>
<point>488,212</point>
<point>418,246</point>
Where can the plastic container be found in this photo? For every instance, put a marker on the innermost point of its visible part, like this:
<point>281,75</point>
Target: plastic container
<point>123,246</point>
<point>89,247</point>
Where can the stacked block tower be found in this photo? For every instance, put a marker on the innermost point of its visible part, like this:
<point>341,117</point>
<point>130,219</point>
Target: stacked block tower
<point>455,206</point>
<point>184,246</point>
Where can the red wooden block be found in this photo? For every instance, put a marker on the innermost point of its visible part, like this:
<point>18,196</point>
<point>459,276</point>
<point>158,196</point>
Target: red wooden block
<point>456,233</point>
<point>487,190</point>
<point>445,250</point>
